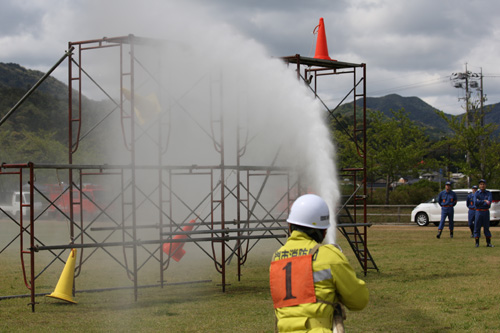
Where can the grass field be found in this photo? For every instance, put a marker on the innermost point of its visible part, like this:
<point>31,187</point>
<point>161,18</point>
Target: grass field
<point>424,285</point>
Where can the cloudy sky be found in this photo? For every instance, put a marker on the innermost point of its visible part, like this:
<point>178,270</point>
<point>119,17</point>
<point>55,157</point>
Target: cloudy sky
<point>411,48</point>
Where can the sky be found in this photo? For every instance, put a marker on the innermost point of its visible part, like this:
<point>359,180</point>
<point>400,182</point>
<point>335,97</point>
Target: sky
<point>411,48</point>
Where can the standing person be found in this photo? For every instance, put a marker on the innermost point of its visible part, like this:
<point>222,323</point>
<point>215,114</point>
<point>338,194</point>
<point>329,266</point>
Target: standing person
<point>308,280</point>
<point>483,203</point>
<point>447,199</point>
<point>471,204</point>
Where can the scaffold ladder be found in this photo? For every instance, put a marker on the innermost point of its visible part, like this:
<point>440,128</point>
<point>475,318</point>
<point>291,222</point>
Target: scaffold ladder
<point>355,234</point>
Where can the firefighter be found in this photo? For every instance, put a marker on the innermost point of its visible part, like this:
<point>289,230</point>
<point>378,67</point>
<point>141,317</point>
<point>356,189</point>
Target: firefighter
<point>483,203</point>
<point>308,280</point>
<point>471,204</point>
<point>447,199</point>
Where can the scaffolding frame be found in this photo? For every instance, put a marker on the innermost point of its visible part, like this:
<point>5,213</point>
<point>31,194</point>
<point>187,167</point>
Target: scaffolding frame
<point>227,239</point>
<point>352,226</point>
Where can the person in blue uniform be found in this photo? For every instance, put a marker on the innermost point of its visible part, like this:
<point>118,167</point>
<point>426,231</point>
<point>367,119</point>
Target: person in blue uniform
<point>447,199</point>
<point>471,204</point>
<point>483,199</point>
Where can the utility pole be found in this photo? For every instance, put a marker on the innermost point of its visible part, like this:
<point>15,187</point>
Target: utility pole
<point>467,81</point>
<point>467,101</point>
<point>482,99</point>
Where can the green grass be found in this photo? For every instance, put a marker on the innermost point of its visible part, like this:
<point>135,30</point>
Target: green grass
<point>424,285</point>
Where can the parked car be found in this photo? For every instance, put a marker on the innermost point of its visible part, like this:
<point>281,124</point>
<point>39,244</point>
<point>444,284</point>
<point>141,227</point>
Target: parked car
<point>430,211</point>
<point>10,203</point>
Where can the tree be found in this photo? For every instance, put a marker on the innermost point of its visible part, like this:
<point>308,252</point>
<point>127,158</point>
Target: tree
<point>24,146</point>
<point>475,140</point>
<point>396,147</point>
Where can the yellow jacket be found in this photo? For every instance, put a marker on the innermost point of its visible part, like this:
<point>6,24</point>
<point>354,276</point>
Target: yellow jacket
<point>334,281</point>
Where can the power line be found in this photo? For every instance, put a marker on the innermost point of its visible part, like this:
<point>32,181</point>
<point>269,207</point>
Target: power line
<point>441,79</point>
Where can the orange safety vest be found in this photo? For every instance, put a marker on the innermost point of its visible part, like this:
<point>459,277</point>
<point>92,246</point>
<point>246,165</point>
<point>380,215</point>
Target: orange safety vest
<point>291,280</point>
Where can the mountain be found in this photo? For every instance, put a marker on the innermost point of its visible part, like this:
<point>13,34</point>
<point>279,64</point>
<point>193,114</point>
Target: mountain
<point>419,111</point>
<point>44,110</point>
<point>16,77</point>
<point>38,129</point>
<point>492,114</point>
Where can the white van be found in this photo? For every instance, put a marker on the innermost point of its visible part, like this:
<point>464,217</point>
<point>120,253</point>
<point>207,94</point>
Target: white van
<point>9,203</point>
<point>430,211</point>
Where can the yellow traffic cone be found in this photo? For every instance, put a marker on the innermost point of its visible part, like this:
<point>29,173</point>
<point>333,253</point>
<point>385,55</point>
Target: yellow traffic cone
<point>64,287</point>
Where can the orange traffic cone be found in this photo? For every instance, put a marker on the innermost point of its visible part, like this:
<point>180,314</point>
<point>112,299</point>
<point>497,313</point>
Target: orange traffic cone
<point>175,250</point>
<point>64,288</point>
<point>321,45</point>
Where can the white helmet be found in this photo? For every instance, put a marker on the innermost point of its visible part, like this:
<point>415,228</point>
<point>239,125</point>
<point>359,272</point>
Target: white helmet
<point>311,211</point>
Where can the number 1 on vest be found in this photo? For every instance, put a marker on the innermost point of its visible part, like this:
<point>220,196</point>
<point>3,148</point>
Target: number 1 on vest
<point>288,282</point>
<point>283,279</point>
